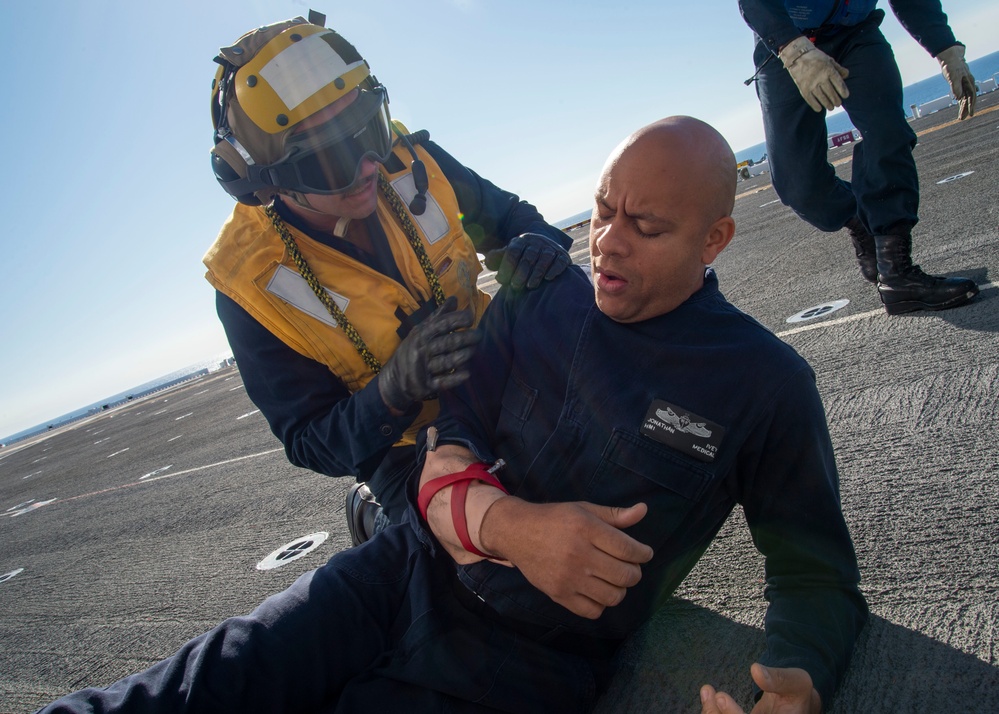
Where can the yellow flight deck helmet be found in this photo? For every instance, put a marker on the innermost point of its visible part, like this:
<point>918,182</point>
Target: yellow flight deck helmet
<point>271,80</point>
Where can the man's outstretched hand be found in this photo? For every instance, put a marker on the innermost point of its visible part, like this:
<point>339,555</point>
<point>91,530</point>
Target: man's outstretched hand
<point>575,553</point>
<point>785,691</point>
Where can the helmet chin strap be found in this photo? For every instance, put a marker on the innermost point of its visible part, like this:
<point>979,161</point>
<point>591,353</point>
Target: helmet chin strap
<point>340,229</point>
<point>300,201</point>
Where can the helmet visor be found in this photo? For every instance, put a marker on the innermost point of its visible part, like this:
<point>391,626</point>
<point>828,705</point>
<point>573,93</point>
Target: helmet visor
<point>327,159</point>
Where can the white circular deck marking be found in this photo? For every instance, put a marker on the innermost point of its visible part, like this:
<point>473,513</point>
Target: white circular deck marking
<point>817,311</point>
<point>293,551</point>
<point>7,576</point>
<point>955,177</point>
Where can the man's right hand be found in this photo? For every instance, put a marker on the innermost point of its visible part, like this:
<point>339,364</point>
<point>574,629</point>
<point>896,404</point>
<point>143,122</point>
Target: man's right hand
<point>430,358</point>
<point>818,76</point>
<point>576,553</point>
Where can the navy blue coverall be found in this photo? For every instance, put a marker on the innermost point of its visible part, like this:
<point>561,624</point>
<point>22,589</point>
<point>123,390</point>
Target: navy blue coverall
<point>691,412</point>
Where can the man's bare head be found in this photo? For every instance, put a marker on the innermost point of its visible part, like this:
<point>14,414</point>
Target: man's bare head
<point>690,150</point>
<point>662,212</point>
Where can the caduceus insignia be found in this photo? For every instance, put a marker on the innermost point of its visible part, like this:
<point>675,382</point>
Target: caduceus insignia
<point>683,423</point>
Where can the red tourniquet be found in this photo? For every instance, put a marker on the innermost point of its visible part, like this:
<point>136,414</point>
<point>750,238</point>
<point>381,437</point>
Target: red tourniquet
<point>474,472</point>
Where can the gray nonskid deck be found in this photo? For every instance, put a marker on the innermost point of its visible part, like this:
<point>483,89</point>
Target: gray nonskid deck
<point>123,535</point>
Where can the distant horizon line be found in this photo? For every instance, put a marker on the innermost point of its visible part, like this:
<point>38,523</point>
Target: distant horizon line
<point>81,412</point>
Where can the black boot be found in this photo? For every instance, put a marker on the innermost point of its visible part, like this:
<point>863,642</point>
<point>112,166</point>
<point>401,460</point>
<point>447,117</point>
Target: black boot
<point>863,244</point>
<point>904,287</point>
<point>363,512</point>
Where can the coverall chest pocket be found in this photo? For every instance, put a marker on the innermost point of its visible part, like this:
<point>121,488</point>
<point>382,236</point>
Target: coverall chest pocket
<point>634,469</point>
<point>518,399</point>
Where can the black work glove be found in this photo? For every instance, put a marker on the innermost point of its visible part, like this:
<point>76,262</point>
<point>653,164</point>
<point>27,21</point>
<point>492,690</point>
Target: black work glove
<point>430,357</point>
<point>527,260</point>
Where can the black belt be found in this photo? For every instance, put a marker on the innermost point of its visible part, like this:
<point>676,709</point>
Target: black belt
<point>555,637</point>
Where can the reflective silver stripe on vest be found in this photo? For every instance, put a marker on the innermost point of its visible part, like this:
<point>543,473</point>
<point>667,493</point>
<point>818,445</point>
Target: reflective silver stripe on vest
<point>292,288</point>
<point>432,222</point>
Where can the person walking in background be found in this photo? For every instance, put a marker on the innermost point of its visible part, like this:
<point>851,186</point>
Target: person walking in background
<point>346,275</point>
<point>815,55</point>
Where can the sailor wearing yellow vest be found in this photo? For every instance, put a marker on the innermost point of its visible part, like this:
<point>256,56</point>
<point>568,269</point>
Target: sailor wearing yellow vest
<point>346,275</point>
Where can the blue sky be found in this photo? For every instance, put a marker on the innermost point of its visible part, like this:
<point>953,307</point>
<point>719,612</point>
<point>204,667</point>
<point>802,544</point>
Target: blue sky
<point>109,202</point>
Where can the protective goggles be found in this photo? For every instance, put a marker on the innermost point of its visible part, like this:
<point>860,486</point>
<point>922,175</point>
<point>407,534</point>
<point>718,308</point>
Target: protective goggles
<point>326,159</point>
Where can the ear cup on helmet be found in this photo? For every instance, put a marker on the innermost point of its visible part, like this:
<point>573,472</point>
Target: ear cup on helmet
<point>228,176</point>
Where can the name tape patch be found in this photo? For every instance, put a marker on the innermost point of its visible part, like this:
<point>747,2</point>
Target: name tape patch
<point>682,430</point>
